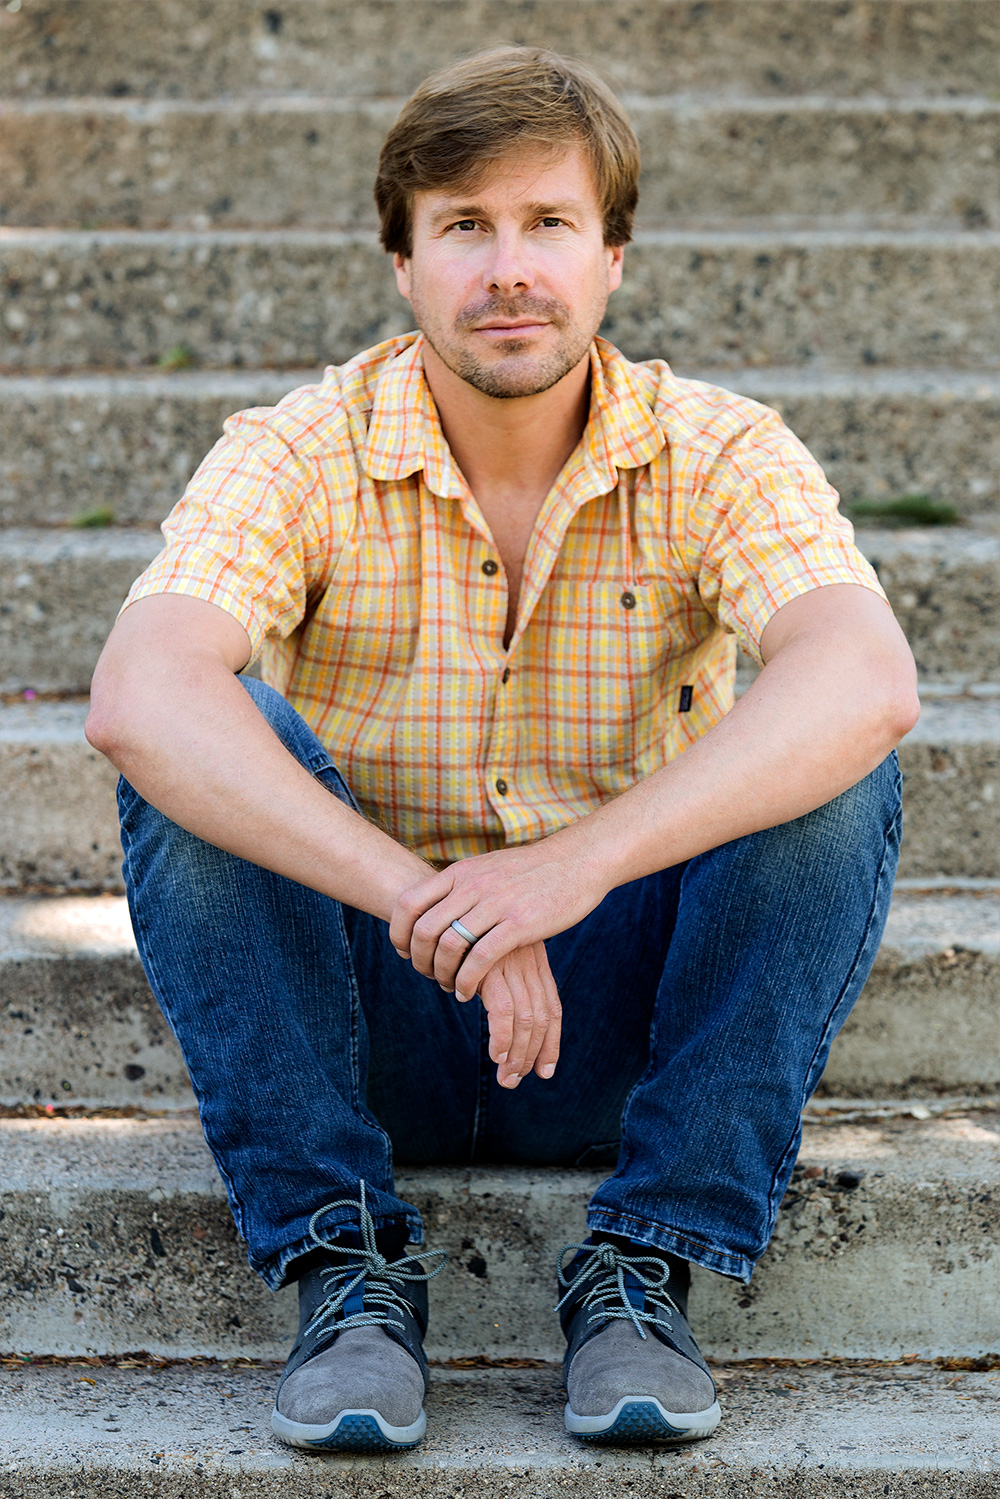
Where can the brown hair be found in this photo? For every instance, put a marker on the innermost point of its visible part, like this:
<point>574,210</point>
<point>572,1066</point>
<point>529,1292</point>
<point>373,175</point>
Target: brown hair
<point>480,109</point>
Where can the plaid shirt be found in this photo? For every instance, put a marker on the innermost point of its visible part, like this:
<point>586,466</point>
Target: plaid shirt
<point>337,528</point>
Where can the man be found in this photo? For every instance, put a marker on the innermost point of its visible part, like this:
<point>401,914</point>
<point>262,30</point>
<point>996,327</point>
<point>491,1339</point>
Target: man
<point>496,575</point>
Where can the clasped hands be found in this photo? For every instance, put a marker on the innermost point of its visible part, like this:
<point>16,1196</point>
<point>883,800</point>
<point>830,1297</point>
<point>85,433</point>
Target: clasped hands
<point>512,900</point>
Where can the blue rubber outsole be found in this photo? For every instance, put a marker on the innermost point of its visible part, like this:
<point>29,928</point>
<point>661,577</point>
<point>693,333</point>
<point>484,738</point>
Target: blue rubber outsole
<point>360,1434</point>
<point>355,1432</point>
<point>638,1423</point>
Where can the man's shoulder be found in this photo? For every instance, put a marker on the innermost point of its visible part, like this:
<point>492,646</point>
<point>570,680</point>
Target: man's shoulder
<point>700,415</point>
<point>327,420</point>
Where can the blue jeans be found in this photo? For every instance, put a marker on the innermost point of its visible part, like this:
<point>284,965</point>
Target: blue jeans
<point>699,1007</point>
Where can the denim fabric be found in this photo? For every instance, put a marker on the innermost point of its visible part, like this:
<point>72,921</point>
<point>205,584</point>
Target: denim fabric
<point>699,1003</point>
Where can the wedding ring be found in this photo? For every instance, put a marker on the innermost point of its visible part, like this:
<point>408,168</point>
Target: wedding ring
<point>463,931</point>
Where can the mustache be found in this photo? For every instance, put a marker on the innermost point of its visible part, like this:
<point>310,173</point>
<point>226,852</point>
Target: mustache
<point>545,309</point>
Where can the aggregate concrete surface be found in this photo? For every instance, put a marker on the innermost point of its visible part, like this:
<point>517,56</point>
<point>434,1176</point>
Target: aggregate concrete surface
<point>311,160</point>
<point>116,1234</point>
<point>58,819</point>
<point>776,47</point>
<point>71,444</point>
<point>58,824</point>
<point>833,299</point>
<point>63,589</point>
<point>80,1027</point>
<point>789,1432</point>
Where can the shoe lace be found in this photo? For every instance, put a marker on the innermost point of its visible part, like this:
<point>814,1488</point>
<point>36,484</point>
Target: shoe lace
<point>605,1268</point>
<point>384,1280</point>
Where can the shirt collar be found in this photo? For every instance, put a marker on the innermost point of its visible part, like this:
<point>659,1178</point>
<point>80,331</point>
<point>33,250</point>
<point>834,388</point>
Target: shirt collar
<point>404,434</point>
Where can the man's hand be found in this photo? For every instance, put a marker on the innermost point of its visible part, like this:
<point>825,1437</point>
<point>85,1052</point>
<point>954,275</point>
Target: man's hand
<point>520,997</point>
<point>512,900</point>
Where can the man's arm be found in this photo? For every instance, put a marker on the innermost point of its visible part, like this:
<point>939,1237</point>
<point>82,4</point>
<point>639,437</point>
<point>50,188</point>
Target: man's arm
<point>837,693</point>
<point>169,713</point>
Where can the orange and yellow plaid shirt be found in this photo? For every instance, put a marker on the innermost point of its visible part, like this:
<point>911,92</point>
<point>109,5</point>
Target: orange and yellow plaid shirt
<point>337,528</point>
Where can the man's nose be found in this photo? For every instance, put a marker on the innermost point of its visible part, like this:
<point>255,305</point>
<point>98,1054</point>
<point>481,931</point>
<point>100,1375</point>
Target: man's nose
<point>509,268</point>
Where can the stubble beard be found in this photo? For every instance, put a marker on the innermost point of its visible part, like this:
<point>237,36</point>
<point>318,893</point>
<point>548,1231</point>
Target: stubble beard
<point>513,371</point>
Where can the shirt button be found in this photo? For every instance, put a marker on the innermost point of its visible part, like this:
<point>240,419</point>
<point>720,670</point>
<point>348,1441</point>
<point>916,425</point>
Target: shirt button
<point>628,599</point>
<point>502,786</point>
<point>490,568</point>
<point>506,674</point>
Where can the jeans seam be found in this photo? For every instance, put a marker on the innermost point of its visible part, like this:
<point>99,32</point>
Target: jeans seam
<point>806,1092</point>
<point>356,1022</point>
<point>236,1202</point>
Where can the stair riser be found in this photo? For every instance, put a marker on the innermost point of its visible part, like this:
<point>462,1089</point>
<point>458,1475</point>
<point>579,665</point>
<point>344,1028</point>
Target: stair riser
<point>63,591</point>
<point>58,825</point>
<point>85,1031</point>
<point>840,301</point>
<point>951,808</point>
<point>167,1274</point>
<point>773,47</point>
<point>948,606</point>
<point>147,167</point>
<point>133,449</point>
<point>61,597</point>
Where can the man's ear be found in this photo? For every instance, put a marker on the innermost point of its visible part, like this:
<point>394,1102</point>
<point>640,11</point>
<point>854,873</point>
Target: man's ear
<point>401,266</point>
<point>616,265</point>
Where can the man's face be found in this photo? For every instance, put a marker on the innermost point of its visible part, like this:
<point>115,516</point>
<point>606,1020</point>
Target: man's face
<point>509,279</point>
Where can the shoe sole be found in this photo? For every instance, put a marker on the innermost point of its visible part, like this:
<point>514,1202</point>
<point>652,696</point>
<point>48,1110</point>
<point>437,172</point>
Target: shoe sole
<point>638,1419</point>
<point>352,1431</point>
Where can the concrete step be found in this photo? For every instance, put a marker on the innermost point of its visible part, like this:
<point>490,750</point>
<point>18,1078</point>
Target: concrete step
<point>58,825</point>
<point>951,789</point>
<point>307,160</point>
<point>807,1432</point>
<point>73,444</point>
<point>79,1027</point>
<point>944,586</point>
<point>62,591</point>
<point>114,47</point>
<point>117,1236</point>
<point>829,299</point>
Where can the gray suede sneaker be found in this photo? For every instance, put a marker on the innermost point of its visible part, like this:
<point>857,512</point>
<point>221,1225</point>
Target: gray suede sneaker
<point>634,1373</point>
<point>356,1376</point>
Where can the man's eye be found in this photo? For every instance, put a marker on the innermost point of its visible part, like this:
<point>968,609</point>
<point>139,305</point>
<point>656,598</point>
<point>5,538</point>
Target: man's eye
<point>551,223</point>
<point>466,224</point>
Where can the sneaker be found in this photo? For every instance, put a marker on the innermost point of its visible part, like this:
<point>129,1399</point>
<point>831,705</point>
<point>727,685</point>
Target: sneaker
<point>633,1371</point>
<point>356,1376</point>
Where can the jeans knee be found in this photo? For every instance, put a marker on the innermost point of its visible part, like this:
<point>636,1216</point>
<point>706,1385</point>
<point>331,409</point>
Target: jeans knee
<point>297,737</point>
<point>290,727</point>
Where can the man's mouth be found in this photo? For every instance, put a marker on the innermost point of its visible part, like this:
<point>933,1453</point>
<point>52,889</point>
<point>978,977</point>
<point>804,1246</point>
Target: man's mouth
<point>501,327</point>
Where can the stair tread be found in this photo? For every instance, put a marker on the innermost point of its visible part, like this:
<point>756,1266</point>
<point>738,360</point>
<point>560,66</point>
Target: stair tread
<point>98,925</point>
<point>804,1432</point>
<point>139,1155</point>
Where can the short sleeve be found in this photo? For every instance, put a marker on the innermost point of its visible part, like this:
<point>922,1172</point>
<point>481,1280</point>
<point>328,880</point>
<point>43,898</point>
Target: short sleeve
<point>765,527</point>
<point>250,534</point>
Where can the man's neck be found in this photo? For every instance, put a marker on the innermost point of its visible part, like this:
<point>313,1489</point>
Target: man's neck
<point>510,451</point>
